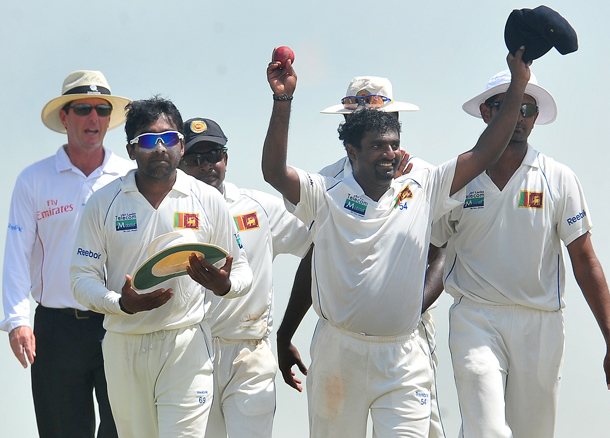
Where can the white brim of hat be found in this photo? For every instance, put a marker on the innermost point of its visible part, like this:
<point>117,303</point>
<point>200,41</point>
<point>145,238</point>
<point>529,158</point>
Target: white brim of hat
<point>50,112</point>
<point>547,107</point>
<point>391,107</point>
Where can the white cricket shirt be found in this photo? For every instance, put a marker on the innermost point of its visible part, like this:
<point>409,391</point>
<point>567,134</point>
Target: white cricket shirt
<point>505,246</point>
<point>369,258</point>
<point>266,230</point>
<point>47,203</point>
<point>118,225</point>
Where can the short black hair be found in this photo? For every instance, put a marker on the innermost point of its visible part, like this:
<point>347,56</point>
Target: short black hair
<point>143,113</point>
<point>366,119</point>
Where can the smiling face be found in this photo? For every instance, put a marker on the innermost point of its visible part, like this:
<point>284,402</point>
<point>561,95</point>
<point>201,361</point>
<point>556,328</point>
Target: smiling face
<point>375,162</point>
<point>85,132</point>
<point>160,162</point>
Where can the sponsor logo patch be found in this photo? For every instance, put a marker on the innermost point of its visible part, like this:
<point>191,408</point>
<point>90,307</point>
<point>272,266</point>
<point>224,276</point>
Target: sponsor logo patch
<point>186,220</point>
<point>572,220</point>
<point>356,204</point>
<point>475,199</point>
<point>248,221</point>
<point>530,199</point>
<point>53,209</point>
<point>404,194</point>
<point>126,222</point>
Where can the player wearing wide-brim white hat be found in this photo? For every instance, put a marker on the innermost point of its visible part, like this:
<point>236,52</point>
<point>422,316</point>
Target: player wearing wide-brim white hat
<point>361,89</point>
<point>83,84</point>
<point>547,108</point>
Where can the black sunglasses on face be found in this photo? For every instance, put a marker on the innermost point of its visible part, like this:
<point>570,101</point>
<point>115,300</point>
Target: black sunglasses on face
<point>84,109</point>
<point>212,157</point>
<point>527,110</point>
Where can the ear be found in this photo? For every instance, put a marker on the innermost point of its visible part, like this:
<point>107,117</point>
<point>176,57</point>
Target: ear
<point>64,118</point>
<point>485,113</point>
<point>130,151</point>
<point>226,158</point>
<point>351,151</point>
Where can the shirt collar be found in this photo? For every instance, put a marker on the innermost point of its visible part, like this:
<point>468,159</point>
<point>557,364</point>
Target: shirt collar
<point>63,163</point>
<point>530,158</point>
<point>182,183</point>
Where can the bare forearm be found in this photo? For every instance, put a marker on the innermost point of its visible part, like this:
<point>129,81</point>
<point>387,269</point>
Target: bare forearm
<point>433,286</point>
<point>299,302</point>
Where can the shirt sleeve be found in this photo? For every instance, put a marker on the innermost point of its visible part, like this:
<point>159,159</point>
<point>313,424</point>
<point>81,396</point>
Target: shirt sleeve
<point>288,234</point>
<point>313,189</point>
<point>89,257</point>
<point>572,214</point>
<point>20,239</point>
<point>442,179</point>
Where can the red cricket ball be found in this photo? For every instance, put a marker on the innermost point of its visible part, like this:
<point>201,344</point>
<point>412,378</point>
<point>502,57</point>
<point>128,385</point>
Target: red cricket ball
<point>282,54</point>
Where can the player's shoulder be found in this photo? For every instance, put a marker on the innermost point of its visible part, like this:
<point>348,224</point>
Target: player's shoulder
<point>253,197</point>
<point>419,164</point>
<point>337,169</point>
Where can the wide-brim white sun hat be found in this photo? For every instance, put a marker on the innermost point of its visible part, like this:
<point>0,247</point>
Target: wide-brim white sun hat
<point>83,84</point>
<point>168,257</point>
<point>547,108</point>
<point>364,85</point>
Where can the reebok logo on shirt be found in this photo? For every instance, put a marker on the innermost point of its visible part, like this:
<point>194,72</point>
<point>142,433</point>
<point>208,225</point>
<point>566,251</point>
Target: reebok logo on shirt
<point>88,253</point>
<point>572,220</point>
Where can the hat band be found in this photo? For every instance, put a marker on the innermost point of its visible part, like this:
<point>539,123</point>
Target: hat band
<point>88,89</point>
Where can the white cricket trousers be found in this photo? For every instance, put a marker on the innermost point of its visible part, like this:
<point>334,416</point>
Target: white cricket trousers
<point>160,384</point>
<point>507,364</point>
<point>352,374</point>
<point>244,389</point>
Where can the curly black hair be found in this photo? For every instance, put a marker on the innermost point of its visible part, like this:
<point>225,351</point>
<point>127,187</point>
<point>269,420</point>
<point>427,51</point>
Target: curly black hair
<point>366,119</point>
<point>143,113</point>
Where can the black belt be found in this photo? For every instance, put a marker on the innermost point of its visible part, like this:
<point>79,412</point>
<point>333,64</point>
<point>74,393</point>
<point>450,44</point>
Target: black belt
<point>76,313</point>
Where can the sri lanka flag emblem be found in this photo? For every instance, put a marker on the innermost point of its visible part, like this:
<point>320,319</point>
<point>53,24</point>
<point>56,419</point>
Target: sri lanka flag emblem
<point>186,220</point>
<point>405,193</point>
<point>248,221</point>
<point>530,199</point>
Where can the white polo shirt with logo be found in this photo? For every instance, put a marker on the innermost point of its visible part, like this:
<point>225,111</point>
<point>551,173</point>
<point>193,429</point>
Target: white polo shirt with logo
<point>47,203</point>
<point>505,246</point>
<point>370,257</point>
<point>266,230</point>
<point>117,226</point>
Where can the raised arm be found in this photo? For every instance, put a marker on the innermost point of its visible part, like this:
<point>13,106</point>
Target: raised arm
<point>592,281</point>
<point>499,131</point>
<point>275,171</point>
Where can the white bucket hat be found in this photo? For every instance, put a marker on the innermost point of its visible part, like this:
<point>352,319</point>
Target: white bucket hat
<point>363,85</point>
<point>547,108</point>
<point>83,84</point>
<point>168,257</point>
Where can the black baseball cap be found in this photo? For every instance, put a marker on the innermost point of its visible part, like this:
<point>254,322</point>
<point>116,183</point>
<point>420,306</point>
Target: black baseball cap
<point>538,30</point>
<point>199,129</point>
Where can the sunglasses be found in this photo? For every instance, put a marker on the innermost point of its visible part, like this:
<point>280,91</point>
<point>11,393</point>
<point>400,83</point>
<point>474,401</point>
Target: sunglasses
<point>212,157</point>
<point>368,100</point>
<point>527,110</point>
<point>84,109</point>
<point>149,140</point>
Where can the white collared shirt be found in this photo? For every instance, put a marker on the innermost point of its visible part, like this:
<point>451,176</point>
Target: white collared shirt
<point>266,230</point>
<point>46,207</point>
<point>104,241</point>
<point>370,258</point>
<point>505,246</point>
